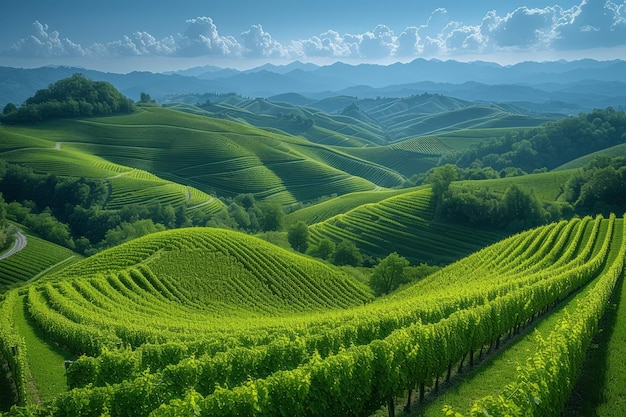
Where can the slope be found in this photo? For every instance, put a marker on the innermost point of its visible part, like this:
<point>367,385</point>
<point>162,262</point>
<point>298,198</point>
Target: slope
<point>402,224</point>
<point>41,149</point>
<point>212,155</point>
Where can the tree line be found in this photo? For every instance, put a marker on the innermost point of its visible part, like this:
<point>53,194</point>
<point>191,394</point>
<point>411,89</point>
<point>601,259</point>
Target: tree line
<point>548,146</point>
<point>72,211</point>
<point>70,97</point>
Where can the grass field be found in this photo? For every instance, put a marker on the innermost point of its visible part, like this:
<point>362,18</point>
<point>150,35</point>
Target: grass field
<point>37,257</point>
<point>238,309</point>
<point>400,223</point>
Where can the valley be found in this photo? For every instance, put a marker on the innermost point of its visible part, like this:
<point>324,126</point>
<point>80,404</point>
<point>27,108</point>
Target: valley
<point>216,255</point>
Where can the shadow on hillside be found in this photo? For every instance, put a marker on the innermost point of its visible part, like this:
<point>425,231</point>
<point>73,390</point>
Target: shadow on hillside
<point>587,393</point>
<point>8,397</point>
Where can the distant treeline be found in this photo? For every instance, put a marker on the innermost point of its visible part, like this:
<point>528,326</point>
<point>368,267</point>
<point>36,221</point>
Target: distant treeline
<point>72,211</point>
<point>598,187</point>
<point>548,146</point>
<point>70,97</point>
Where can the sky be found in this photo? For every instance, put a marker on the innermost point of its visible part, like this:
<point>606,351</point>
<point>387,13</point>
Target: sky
<point>153,35</point>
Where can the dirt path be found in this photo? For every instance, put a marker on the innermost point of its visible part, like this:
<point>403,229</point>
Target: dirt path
<point>20,243</point>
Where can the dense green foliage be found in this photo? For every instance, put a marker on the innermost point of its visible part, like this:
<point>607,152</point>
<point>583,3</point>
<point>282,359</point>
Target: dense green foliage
<point>389,274</point>
<point>70,97</point>
<point>77,212</point>
<point>295,365</point>
<point>600,186</point>
<point>550,145</point>
<point>404,224</point>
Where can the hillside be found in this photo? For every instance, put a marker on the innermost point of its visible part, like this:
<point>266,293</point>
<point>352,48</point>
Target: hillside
<point>551,87</point>
<point>402,224</point>
<point>349,121</point>
<point>213,340</point>
<point>214,156</point>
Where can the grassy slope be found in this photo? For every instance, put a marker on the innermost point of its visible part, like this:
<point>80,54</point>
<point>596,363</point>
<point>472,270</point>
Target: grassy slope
<point>500,368</point>
<point>546,186</point>
<point>48,154</point>
<point>601,388</point>
<point>615,151</point>
<point>402,224</point>
<point>38,256</point>
<point>212,266</point>
<point>209,154</point>
<point>188,289</point>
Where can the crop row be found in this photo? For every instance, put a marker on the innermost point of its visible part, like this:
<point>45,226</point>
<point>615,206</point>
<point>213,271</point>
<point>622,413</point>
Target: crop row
<point>402,217</point>
<point>407,357</point>
<point>428,145</point>
<point>329,336</point>
<point>36,257</point>
<point>543,384</point>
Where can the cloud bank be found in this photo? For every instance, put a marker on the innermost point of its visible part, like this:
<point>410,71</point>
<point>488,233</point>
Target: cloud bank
<point>590,24</point>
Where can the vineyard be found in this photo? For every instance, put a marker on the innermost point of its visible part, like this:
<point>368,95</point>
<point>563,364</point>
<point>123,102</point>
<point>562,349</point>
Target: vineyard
<point>402,224</point>
<point>216,323</point>
<point>37,257</point>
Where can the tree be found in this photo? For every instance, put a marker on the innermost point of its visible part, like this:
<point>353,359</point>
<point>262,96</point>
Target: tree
<point>9,108</point>
<point>389,274</point>
<point>273,215</point>
<point>144,98</point>
<point>348,254</point>
<point>298,236</point>
<point>521,208</point>
<point>440,179</point>
<point>325,249</point>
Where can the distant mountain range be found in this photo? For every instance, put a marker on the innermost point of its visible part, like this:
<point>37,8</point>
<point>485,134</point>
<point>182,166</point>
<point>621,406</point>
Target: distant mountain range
<point>560,86</point>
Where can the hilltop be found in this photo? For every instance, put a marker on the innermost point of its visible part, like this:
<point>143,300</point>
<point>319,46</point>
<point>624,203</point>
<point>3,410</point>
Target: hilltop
<point>563,87</point>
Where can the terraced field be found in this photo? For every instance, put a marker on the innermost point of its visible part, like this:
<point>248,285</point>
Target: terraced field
<point>402,224</point>
<point>37,257</point>
<point>243,328</point>
<point>127,185</point>
<point>214,156</point>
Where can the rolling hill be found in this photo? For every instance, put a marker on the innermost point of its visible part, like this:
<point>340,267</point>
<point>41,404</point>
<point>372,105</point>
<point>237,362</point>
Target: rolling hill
<point>244,317</point>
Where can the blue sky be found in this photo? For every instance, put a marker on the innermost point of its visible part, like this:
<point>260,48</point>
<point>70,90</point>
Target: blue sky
<point>122,36</point>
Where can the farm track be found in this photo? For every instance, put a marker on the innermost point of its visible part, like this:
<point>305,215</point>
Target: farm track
<point>20,243</point>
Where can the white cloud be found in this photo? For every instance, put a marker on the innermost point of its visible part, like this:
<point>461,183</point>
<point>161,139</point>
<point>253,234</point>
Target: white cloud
<point>202,38</point>
<point>43,43</point>
<point>408,42</point>
<point>379,43</point>
<point>592,23</point>
<point>328,44</point>
<point>598,23</point>
<point>258,43</point>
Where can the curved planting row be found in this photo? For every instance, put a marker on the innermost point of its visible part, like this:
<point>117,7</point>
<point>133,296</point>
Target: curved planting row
<point>340,362</point>
<point>402,222</point>
<point>544,383</point>
<point>427,145</point>
<point>35,258</point>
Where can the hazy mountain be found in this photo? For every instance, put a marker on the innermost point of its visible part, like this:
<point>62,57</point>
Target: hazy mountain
<point>577,85</point>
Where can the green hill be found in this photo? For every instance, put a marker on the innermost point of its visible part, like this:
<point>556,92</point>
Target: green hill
<point>241,325</point>
<point>402,224</point>
<point>212,155</point>
<point>222,273</point>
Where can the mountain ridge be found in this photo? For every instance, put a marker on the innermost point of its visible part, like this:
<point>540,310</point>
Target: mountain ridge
<point>555,80</point>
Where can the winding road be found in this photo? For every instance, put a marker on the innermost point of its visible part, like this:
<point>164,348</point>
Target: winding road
<point>20,243</point>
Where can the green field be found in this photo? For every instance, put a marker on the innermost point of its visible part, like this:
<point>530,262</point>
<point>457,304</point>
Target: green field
<point>38,257</point>
<point>210,317</point>
<point>203,321</point>
<point>402,224</point>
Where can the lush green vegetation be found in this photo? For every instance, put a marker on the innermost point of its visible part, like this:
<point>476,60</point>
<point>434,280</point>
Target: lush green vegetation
<point>551,145</point>
<point>90,214</point>
<point>70,97</point>
<point>299,364</point>
<point>402,224</point>
<point>164,319</point>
